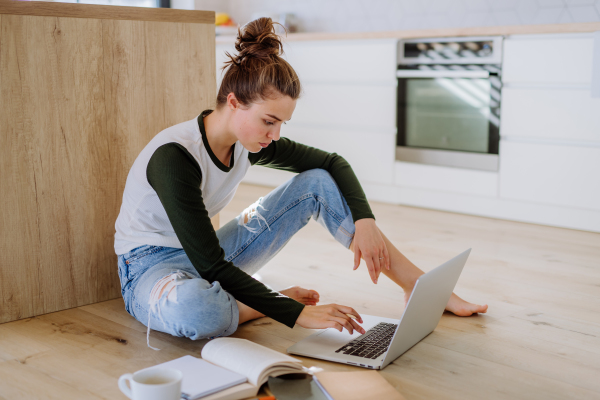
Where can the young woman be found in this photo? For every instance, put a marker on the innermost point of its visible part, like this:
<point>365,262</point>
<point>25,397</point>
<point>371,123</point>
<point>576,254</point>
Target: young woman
<point>180,276</point>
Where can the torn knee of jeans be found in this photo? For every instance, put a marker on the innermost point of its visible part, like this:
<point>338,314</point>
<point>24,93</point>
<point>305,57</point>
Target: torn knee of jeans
<point>250,214</point>
<point>166,285</point>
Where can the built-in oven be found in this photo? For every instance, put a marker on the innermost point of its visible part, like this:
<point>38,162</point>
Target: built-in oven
<point>448,104</point>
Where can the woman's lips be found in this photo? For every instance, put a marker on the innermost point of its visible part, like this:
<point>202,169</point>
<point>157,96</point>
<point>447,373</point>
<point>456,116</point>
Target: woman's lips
<point>263,145</point>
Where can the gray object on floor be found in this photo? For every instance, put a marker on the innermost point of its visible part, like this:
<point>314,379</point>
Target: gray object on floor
<point>296,388</point>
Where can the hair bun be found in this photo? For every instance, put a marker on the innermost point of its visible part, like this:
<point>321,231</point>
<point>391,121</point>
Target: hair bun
<point>257,72</point>
<point>257,39</point>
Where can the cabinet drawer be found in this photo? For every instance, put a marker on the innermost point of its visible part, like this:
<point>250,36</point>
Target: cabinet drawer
<point>348,106</point>
<point>564,59</point>
<point>370,155</point>
<point>569,114</point>
<point>358,61</point>
<point>550,174</point>
<point>446,179</point>
<point>343,61</point>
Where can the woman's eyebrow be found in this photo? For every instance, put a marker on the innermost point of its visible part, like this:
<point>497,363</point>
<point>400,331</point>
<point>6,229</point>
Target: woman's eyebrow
<point>272,116</point>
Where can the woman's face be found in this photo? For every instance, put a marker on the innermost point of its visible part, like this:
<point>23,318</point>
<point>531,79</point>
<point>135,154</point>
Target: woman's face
<point>256,126</point>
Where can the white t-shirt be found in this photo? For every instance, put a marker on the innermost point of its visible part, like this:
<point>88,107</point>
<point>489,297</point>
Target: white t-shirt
<point>142,219</point>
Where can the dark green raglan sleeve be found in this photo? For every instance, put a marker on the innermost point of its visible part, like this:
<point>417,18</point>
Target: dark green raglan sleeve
<point>287,155</point>
<point>176,176</point>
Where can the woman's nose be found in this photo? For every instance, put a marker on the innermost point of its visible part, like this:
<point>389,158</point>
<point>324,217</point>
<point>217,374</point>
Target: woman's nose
<point>274,134</point>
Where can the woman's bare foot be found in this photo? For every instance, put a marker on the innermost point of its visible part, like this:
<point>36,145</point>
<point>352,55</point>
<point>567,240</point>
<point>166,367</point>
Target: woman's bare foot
<point>304,296</point>
<point>458,306</point>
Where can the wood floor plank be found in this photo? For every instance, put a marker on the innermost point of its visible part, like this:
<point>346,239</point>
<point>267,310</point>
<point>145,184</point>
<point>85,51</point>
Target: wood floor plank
<point>529,353</point>
<point>112,310</point>
<point>428,371</point>
<point>575,333</point>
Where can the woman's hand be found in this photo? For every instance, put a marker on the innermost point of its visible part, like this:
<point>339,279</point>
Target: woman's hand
<point>369,244</point>
<point>330,316</point>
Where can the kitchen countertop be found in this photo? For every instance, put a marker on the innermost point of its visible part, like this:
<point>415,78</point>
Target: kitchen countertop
<point>445,32</point>
<point>96,11</point>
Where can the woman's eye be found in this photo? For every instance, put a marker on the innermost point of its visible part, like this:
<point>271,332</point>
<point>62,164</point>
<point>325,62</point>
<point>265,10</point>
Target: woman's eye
<point>268,122</point>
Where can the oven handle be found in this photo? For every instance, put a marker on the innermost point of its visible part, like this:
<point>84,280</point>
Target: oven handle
<point>412,73</point>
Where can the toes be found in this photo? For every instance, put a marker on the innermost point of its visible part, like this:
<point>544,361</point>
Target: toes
<point>472,309</point>
<point>476,308</point>
<point>305,296</point>
<point>310,295</point>
<point>467,310</point>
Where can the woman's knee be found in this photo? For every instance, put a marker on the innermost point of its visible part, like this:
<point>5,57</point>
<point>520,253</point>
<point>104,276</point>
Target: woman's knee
<point>316,179</point>
<point>198,309</point>
<point>316,174</point>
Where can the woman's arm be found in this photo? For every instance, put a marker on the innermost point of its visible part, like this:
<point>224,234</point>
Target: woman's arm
<point>288,155</point>
<point>368,243</point>
<point>176,176</point>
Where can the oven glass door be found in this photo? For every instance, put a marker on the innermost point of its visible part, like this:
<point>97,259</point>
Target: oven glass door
<point>448,113</point>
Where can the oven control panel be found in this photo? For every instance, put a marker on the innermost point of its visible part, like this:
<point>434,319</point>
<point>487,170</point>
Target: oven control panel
<point>462,50</point>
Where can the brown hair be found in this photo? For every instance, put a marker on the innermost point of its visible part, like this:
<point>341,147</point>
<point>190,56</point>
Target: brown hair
<point>258,72</point>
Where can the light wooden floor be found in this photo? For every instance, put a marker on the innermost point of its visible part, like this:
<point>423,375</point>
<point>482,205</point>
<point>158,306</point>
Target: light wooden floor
<point>539,339</point>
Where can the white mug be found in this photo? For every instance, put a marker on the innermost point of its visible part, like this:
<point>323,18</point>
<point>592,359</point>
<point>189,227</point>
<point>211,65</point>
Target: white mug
<point>152,384</point>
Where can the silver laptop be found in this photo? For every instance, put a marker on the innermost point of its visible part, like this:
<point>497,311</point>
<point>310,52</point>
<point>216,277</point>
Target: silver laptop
<point>386,339</point>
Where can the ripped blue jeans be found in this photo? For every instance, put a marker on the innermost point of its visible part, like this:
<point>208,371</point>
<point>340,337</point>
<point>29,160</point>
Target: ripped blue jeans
<point>163,290</point>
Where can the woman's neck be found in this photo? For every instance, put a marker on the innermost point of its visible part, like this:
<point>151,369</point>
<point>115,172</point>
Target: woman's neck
<point>220,138</point>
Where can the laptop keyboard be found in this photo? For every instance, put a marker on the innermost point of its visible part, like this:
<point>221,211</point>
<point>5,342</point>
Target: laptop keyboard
<point>372,344</point>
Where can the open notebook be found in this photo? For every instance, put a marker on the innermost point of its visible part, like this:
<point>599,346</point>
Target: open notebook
<point>230,369</point>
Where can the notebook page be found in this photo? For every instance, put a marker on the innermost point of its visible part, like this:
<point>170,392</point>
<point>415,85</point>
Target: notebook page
<point>201,378</point>
<point>249,359</point>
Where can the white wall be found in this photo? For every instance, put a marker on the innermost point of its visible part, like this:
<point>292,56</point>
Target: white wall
<point>209,5</point>
<point>381,15</point>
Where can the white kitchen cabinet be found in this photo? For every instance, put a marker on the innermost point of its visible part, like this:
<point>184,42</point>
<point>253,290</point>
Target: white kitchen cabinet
<point>370,154</point>
<point>352,107</point>
<point>550,114</point>
<point>494,207</point>
<point>552,59</point>
<point>368,61</point>
<point>445,179</point>
<point>348,104</point>
<point>550,130</point>
<point>550,174</point>
<point>346,61</point>
<point>220,58</point>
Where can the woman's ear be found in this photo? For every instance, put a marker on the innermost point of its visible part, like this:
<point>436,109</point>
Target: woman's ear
<point>232,101</point>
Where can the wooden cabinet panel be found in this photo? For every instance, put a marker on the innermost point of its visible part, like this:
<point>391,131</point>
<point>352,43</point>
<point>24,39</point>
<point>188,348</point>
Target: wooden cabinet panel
<point>569,114</point>
<point>53,153</point>
<point>550,174</point>
<point>79,98</point>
